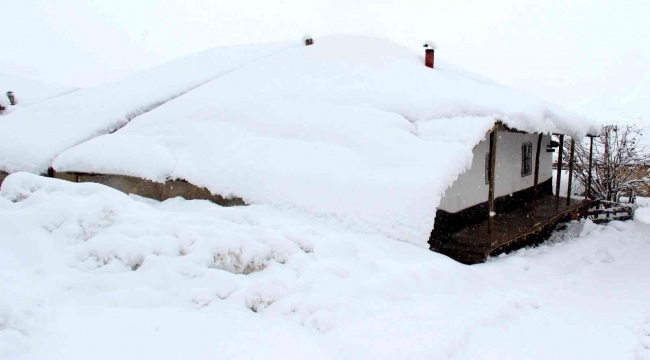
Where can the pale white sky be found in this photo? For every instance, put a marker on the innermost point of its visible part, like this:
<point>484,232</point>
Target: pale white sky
<point>590,56</point>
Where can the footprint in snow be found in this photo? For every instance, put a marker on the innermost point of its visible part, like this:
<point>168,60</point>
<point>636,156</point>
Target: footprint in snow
<point>643,350</point>
<point>603,255</point>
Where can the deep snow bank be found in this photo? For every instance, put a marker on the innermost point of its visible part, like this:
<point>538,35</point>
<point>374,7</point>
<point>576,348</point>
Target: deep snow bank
<point>56,236</point>
<point>352,128</point>
<point>88,271</point>
<point>31,138</point>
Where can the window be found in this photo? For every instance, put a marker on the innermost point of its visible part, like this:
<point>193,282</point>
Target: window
<point>526,159</point>
<point>487,168</point>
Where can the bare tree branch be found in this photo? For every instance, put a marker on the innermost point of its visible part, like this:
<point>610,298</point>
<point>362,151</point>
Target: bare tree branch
<point>620,164</point>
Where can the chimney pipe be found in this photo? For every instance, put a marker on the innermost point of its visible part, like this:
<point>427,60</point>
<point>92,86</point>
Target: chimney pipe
<point>12,98</point>
<point>308,40</point>
<point>430,47</point>
<point>428,58</point>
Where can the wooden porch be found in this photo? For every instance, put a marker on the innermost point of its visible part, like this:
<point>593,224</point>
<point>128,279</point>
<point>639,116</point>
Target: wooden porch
<point>527,225</point>
<point>511,230</point>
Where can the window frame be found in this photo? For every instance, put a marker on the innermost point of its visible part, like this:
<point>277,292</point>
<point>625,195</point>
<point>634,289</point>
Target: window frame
<point>526,158</point>
<point>487,168</point>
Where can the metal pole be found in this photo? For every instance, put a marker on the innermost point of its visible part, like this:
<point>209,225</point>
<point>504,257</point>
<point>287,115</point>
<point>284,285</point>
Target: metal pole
<point>591,154</point>
<point>536,178</point>
<point>558,176</point>
<point>568,190</point>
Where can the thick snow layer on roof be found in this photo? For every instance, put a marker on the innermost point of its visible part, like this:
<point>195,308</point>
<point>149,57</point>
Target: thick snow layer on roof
<point>351,128</point>
<point>31,138</point>
<point>27,91</point>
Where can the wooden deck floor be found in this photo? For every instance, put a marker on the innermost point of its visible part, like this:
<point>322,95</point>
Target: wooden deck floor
<point>473,244</point>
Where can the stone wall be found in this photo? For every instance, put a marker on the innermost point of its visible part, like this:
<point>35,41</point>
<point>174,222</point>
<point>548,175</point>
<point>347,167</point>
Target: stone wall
<point>151,189</point>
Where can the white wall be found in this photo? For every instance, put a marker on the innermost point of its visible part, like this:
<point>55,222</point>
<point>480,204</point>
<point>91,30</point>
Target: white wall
<point>470,188</point>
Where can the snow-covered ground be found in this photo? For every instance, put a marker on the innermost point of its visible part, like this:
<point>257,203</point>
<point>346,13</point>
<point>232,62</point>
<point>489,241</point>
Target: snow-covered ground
<point>88,272</point>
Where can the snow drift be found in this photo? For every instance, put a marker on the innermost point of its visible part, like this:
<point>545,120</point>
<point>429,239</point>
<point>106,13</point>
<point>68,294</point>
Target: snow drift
<point>89,271</point>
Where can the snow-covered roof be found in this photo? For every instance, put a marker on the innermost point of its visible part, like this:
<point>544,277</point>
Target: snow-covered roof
<point>30,138</point>
<point>28,91</point>
<point>353,129</point>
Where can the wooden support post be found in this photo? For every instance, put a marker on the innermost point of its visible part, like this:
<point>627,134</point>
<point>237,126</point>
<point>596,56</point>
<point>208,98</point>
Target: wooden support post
<point>558,176</point>
<point>591,154</point>
<point>568,190</point>
<point>536,177</point>
<point>491,177</point>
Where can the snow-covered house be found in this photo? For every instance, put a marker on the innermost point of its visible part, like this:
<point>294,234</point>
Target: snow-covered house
<point>353,130</point>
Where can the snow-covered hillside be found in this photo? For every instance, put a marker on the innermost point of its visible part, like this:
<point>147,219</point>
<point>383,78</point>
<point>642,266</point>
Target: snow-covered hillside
<point>28,91</point>
<point>88,272</point>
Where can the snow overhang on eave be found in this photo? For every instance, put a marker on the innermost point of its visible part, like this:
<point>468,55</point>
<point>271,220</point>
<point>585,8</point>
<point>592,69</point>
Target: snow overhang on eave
<point>500,126</point>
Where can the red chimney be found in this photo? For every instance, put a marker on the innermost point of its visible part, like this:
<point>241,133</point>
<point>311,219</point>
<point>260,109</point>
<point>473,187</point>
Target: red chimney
<point>430,48</point>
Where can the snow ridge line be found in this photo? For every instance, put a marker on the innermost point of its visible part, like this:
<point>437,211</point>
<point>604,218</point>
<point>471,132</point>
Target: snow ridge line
<point>134,114</point>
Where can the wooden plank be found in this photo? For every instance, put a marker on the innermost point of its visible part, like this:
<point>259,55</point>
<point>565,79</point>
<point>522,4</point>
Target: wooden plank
<point>505,128</point>
<point>606,220</point>
<point>534,229</point>
<point>536,176</point>
<point>606,211</point>
<point>512,230</point>
<point>3,176</point>
<point>491,177</point>
<point>568,190</point>
<point>559,171</point>
<point>511,226</point>
<point>591,155</point>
